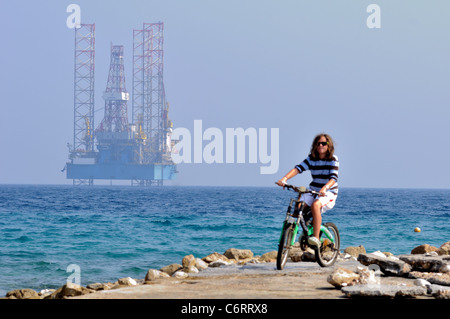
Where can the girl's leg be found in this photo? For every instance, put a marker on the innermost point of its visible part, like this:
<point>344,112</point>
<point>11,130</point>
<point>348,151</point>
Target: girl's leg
<point>317,217</point>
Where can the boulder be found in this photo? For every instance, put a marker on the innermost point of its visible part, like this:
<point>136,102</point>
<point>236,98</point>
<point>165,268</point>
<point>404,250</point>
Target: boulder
<point>69,290</point>
<point>355,251</point>
<point>439,292</point>
<point>444,249</point>
<point>180,274</point>
<point>427,263</point>
<point>128,281</point>
<point>237,254</point>
<point>100,286</point>
<point>188,261</point>
<point>309,255</point>
<point>367,276</point>
<point>389,266</point>
<point>271,256</point>
<point>423,249</point>
<point>342,277</point>
<point>432,277</point>
<point>153,274</point>
<point>191,270</point>
<point>200,264</point>
<point>297,256</point>
<point>22,294</point>
<point>46,292</point>
<point>171,269</point>
<point>215,256</point>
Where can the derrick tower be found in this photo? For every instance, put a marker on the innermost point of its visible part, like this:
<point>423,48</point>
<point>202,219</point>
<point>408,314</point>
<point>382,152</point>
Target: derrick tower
<point>150,108</point>
<point>82,149</point>
<point>114,136</point>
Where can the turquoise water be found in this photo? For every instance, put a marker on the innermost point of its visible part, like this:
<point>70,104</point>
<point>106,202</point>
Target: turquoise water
<point>114,232</point>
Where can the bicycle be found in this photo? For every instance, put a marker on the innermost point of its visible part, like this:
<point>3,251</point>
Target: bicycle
<point>328,251</point>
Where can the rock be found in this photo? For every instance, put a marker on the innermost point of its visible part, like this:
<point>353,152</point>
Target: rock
<point>345,256</point>
<point>188,261</point>
<point>191,270</point>
<point>426,263</point>
<point>219,263</point>
<point>309,255</point>
<point>153,274</point>
<point>444,269</point>
<point>422,283</point>
<point>237,254</point>
<point>180,274</point>
<point>69,290</point>
<point>128,281</point>
<point>423,249</point>
<point>379,254</point>
<point>389,291</point>
<point>367,276</point>
<point>271,256</point>
<point>439,292</point>
<point>200,264</point>
<point>432,277</point>
<point>444,249</point>
<point>297,256</point>
<point>46,292</point>
<point>171,269</point>
<point>355,251</point>
<point>22,294</point>
<point>215,256</point>
<point>387,265</point>
<point>99,286</point>
<point>343,277</point>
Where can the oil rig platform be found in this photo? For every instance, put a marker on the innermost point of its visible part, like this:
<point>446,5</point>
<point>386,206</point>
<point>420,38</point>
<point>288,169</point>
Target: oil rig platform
<point>139,151</point>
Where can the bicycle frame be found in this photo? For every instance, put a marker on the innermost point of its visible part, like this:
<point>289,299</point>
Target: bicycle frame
<point>298,219</point>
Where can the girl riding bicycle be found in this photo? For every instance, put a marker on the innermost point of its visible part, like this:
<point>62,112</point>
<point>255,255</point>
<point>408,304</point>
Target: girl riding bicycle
<point>324,166</point>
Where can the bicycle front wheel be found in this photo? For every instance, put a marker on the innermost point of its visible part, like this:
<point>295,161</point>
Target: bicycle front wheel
<point>284,246</point>
<point>328,251</point>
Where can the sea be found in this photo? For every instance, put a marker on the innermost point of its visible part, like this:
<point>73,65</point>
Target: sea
<point>103,233</point>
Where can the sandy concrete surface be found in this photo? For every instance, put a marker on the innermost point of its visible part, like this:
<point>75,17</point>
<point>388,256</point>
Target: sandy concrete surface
<point>303,280</point>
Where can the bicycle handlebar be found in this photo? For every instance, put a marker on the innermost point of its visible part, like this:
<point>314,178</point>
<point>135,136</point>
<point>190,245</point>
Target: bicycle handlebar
<point>300,189</point>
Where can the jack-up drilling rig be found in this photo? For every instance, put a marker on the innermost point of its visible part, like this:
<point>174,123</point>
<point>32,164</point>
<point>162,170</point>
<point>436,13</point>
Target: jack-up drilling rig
<point>139,151</point>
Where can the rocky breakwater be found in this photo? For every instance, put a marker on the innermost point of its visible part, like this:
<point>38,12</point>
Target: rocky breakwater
<point>429,267</point>
<point>189,265</point>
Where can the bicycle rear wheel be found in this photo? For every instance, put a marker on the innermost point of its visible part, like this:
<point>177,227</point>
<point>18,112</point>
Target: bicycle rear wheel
<point>284,246</point>
<point>328,251</point>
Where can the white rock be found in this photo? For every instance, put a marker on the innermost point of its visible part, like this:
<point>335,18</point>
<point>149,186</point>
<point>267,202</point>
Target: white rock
<point>379,254</point>
<point>444,269</point>
<point>191,270</point>
<point>180,274</point>
<point>127,281</point>
<point>200,264</point>
<point>421,282</point>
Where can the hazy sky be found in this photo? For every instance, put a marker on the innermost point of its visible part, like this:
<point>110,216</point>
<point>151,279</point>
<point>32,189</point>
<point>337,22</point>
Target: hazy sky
<point>301,66</point>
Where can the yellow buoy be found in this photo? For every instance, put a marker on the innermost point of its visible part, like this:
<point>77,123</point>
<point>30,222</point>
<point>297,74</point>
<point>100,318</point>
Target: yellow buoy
<point>417,230</point>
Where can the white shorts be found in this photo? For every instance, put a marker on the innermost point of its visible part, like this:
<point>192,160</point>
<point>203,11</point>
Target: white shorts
<point>327,201</point>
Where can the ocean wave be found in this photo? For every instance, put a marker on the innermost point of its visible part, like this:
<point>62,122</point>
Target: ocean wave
<point>24,239</point>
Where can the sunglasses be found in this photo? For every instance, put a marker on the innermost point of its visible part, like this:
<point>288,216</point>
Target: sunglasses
<point>322,143</point>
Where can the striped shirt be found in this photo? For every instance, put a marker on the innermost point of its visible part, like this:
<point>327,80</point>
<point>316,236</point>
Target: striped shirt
<point>321,171</point>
